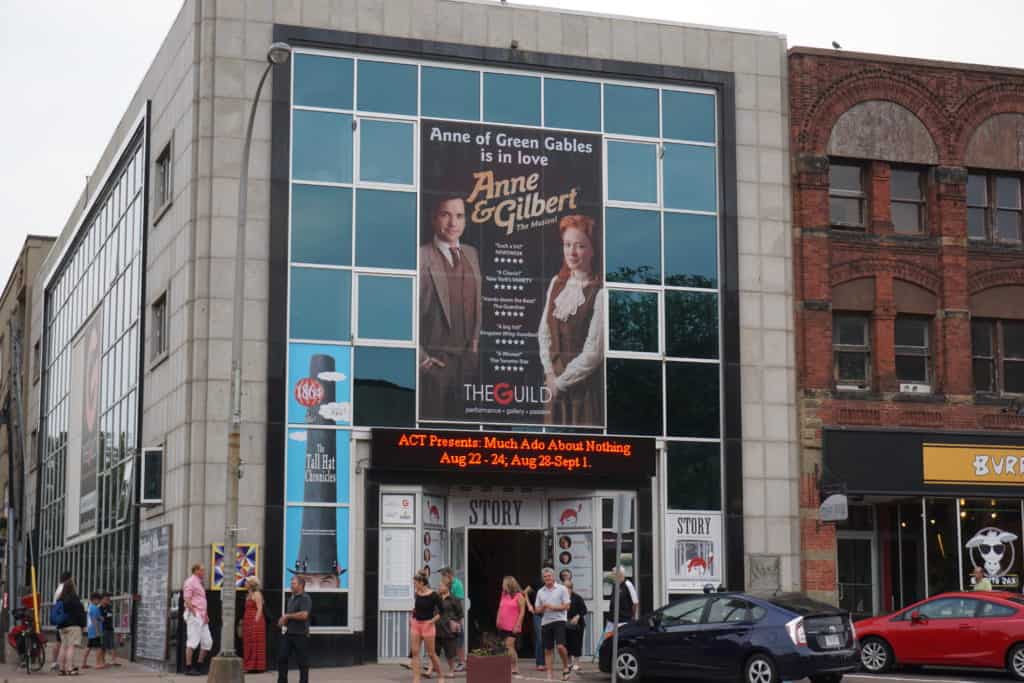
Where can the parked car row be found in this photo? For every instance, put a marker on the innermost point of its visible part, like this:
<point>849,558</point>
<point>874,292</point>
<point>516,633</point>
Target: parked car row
<point>758,639</point>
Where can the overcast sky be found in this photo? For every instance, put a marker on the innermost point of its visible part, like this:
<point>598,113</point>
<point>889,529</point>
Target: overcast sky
<point>70,68</point>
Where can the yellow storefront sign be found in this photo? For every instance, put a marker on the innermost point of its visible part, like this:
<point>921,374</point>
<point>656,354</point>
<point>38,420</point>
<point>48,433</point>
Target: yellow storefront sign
<point>973,464</point>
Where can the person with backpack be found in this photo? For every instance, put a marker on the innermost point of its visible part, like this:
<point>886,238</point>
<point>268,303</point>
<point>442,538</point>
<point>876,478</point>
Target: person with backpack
<point>68,615</point>
<point>64,576</point>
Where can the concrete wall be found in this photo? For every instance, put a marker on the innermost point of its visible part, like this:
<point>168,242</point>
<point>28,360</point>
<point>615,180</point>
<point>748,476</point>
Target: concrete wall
<point>201,82</point>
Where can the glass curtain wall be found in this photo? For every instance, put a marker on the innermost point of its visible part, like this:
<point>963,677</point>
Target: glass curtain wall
<point>88,435</point>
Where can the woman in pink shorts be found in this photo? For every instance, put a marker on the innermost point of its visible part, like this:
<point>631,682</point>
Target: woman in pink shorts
<point>422,625</point>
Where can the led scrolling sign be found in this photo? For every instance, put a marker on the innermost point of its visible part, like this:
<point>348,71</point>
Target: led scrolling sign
<point>479,452</point>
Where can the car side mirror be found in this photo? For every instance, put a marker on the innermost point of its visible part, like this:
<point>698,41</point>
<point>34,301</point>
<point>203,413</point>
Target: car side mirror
<point>916,618</point>
<point>654,621</point>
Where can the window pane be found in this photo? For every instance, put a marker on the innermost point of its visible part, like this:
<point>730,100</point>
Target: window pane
<point>387,87</point>
<point>694,476</point>
<point>850,330</point>
<point>1013,339</point>
<point>634,396</point>
<point>512,99</point>
<point>631,111</point>
<point>690,178</point>
<point>845,177</point>
<point>691,250</point>
<point>912,368</point>
<point>385,307</point>
<point>977,190</point>
<point>693,401</point>
<point>911,332</point>
<point>450,93</point>
<point>385,151</point>
<point>1013,377</point>
<point>386,229</point>
<point>632,172</point>
<point>633,246</point>
<point>691,324</point>
<point>688,116</point>
<point>1008,225</point>
<point>323,81</point>
<point>845,211</point>
<point>976,223</point>
<point>572,104</point>
<point>633,321</point>
<point>981,338</point>
<point>851,367</point>
<point>322,146</point>
<point>983,375</point>
<point>906,218</point>
<point>1007,193</point>
<point>322,225</point>
<point>384,387</point>
<point>320,304</point>
<point>905,184</point>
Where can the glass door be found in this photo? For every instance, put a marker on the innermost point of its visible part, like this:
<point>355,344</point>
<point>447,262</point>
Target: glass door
<point>857,591</point>
<point>459,559</point>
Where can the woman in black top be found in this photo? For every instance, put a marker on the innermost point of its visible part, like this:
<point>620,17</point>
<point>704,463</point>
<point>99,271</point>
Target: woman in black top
<point>449,626</point>
<point>71,629</point>
<point>575,626</point>
<point>422,625</point>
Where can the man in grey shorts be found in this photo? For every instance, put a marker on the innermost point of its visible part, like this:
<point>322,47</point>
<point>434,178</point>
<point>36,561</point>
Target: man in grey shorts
<point>552,603</point>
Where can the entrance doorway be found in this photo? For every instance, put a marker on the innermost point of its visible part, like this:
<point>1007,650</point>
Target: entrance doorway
<point>494,554</point>
<point>856,563</point>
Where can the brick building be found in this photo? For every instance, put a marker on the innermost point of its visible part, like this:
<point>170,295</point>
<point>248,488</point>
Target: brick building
<point>909,292</point>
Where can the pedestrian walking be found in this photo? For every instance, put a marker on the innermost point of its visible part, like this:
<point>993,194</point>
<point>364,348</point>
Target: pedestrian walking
<point>254,629</point>
<point>629,602</point>
<point>55,652</point>
<point>197,622</point>
<point>70,624</point>
<point>553,604</point>
<point>109,639</point>
<point>449,626</point>
<point>423,624</point>
<point>294,625</point>
<point>511,612</point>
<point>576,624</point>
<point>530,593</point>
<point>981,582</point>
<point>459,593</point>
<point>94,633</point>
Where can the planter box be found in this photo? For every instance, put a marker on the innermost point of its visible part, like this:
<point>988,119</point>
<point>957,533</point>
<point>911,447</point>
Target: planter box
<point>492,669</point>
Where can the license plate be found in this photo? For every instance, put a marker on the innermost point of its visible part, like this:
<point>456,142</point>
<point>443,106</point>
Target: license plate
<point>832,641</point>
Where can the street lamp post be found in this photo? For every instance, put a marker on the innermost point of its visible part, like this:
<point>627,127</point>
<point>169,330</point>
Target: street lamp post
<point>226,666</point>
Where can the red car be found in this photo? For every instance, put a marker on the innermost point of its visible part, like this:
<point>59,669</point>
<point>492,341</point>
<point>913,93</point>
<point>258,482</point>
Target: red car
<point>984,629</point>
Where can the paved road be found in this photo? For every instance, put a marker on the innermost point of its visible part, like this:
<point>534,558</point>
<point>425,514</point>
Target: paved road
<point>932,677</point>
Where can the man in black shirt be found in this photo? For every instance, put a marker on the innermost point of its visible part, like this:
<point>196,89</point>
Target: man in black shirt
<point>294,625</point>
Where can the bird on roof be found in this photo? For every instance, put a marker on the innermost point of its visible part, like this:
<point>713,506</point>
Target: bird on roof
<point>836,45</point>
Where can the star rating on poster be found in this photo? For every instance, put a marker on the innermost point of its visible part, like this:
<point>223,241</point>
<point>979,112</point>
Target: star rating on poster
<point>510,368</point>
<point>510,261</point>
<point>512,342</point>
<point>511,288</point>
<point>510,314</point>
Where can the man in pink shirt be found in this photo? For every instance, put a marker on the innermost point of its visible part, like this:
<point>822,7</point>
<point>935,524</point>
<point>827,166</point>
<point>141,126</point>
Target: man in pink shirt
<point>197,622</point>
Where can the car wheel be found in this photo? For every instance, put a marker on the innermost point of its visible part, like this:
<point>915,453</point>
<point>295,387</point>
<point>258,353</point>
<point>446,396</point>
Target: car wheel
<point>1015,661</point>
<point>760,669</point>
<point>627,666</point>
<point>827,678</point>
<point>875,655</point>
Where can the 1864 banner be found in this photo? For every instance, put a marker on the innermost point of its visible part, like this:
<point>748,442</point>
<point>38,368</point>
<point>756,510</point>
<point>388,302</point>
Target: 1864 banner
<point>511,301</point>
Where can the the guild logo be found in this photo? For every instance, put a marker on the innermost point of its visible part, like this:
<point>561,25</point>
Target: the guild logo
<point>993,549</point>
<point>505,394</point>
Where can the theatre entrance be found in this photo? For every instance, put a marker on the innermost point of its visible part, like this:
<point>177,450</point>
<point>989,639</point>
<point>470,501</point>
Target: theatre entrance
<point>492,555</point>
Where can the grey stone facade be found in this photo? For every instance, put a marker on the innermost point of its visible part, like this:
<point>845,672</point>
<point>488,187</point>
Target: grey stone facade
<point>200,85</point>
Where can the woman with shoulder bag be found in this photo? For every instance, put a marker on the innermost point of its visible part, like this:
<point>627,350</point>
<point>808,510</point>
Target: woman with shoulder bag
<point>449,626</point>
<point>70,629</point>
<point>511,612</point>
<point>575,626</point>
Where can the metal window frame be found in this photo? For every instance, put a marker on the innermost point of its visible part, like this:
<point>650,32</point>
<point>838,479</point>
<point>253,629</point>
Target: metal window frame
<point>861,196</point>
<point>864,349</point>
<point>917,351</point>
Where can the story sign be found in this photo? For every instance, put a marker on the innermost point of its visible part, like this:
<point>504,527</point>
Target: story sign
<point>547,454</point>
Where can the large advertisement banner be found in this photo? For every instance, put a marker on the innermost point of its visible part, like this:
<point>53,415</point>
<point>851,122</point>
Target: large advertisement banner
<point>511,307</point>
<point>693,550</point>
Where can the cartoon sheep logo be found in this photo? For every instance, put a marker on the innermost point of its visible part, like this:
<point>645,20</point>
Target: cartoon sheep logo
<point>990,546</point>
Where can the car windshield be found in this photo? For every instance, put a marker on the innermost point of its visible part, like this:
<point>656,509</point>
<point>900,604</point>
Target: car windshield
<point>801,604</point>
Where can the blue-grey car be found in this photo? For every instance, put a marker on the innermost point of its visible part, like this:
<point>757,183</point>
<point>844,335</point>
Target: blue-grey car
<point>737,637</point>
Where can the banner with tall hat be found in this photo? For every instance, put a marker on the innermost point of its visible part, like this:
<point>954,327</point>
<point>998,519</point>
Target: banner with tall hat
<point>317,470</point>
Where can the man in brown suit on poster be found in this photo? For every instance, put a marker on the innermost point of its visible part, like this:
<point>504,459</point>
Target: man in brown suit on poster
<point>450,312</point>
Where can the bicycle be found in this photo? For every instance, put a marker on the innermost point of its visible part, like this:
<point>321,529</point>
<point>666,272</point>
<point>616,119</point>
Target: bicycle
<point>31,646</point>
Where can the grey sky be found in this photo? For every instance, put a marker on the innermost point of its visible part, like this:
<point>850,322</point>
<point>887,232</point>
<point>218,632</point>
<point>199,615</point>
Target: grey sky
<point>71,67</point>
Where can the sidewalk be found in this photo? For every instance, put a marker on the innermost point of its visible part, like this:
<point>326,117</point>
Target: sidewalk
<point>369,673</point>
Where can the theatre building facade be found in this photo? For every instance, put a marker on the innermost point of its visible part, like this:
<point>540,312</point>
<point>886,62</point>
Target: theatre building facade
<point>910,318</point>
<point>512,275</point>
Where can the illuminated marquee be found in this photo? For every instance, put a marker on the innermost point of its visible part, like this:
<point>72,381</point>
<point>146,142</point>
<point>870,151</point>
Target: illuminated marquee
<point>547,454</point>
